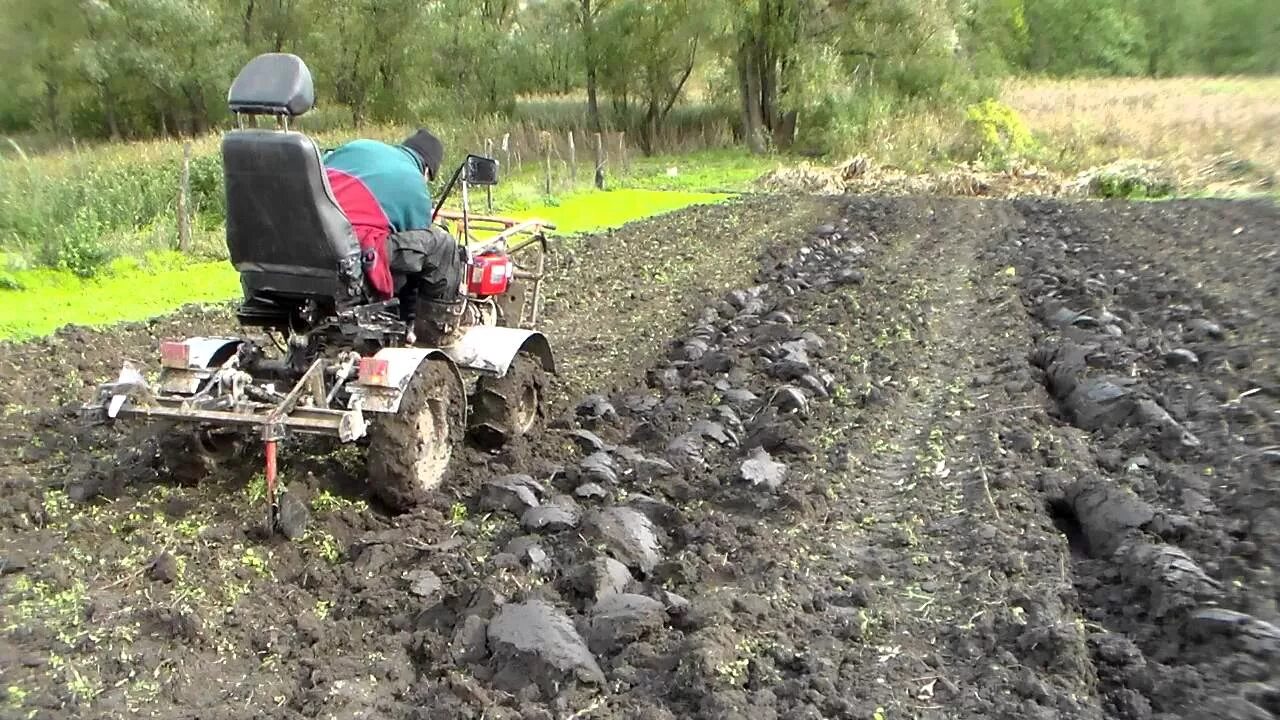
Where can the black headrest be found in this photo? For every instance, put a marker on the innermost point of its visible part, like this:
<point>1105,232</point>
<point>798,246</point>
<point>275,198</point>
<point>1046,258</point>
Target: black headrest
<point>273,84</point>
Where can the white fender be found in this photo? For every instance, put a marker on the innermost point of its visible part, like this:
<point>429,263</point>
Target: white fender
<point>385,393</point>
<point>492,349</point>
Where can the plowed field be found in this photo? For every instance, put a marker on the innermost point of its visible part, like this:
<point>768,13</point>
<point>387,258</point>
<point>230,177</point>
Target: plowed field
<point>847,457</point>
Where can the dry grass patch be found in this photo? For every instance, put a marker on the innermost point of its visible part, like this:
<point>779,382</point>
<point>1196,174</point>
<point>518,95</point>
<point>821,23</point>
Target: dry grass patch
<point>1219,131</point>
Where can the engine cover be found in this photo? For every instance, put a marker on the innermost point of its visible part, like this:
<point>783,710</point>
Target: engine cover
<point>490,274</point>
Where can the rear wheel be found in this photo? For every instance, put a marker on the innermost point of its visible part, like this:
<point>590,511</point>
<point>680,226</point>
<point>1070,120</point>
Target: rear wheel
<point>510,406</point>
<point>409,452</point>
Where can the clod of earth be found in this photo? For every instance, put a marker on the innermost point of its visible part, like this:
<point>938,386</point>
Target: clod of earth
<point>1098,403</point>
<point>468,642</point>
<point>599,468</point>
<point>692,350</point>
<point>600,577</point>
<point>513,493</point>
<point>1174,581</point>
<point>556,517</point>
<point>740,398</point>
<point>588,441</point>
<point>590,490</point>
<point>423,583</point>
<point>1108,515</point>
<point>525,551</point>
<point>163,568</point>
<point>1180,357</point>
<point>685,450</point>
<point>621,618</point>
<point>536,643</point>
<point>761,469</point>
<point>1202,329</point>
<point>713,431</point>
<point>294,516</point>
<point>596,409</point>
<point>660,512</point>
<point>628,534</point>
<point>1254,636</point>
<point>645,468</point>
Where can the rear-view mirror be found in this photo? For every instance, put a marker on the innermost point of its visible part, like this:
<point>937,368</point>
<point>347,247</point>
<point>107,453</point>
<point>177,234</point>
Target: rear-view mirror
<point>481,170</point>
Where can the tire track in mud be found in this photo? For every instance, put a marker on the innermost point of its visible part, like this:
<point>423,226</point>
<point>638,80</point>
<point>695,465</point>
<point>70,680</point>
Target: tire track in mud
<point>1164,477</point>
<point>971,612</point>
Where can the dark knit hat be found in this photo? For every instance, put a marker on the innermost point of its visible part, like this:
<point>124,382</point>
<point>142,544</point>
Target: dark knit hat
<point>428,148</point>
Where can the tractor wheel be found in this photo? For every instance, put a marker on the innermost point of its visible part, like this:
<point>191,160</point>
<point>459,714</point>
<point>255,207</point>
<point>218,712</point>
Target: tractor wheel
<point>409,452</point>
<point>509,406</point>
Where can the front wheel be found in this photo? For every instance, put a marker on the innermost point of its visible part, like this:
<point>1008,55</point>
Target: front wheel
<point>409,452</point>
<point>510,406</point>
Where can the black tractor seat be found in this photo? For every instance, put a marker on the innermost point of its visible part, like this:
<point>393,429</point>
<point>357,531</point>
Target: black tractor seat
<point>286,233</point>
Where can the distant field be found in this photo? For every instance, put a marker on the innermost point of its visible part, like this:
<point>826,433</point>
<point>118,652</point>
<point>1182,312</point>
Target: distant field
<point>1221,130</point>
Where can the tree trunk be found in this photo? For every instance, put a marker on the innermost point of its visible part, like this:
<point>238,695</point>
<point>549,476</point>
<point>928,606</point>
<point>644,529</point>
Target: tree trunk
<point>784,132</point>
<point>768,85</point>
<point>51,105</point>
<point>589,58</point>
<point>248,24</point>
<point>109,109</point>
<point>749,94</point>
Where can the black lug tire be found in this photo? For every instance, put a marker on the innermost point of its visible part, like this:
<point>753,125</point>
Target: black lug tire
<point>409,451</point>
<point>510,406</point>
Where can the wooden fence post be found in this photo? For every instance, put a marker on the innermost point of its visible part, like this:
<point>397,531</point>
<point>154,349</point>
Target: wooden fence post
<point>599,161</point>
<point>488,189</point>
<point>573,161</point>
<point>184,202</point>
<point>622,153</point>
<point>546,156</point>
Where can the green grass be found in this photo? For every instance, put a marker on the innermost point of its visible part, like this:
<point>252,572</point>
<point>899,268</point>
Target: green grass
<point>136,290</point>
<point>592,211</point>
<point>128,291</point>
<point>707,171</point>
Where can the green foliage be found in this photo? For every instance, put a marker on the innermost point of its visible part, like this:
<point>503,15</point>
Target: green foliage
<point>157,284</point>
<point>999,132</point>
<point>457,514</point>
<point>1129,180</point>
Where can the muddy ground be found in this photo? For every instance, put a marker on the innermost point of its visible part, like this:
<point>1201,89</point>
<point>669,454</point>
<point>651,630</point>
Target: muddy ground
<point>845,457</point>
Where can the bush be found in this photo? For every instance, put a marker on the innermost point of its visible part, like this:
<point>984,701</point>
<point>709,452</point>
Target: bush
<point>996,133</point>
<point>1125,180</point>
<point>79,248</point>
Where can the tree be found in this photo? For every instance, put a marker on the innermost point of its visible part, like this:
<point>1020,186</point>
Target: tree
<point>588,16</point>
<point>1242,36</point>
<point>769,34</point>
<point>655,49</point>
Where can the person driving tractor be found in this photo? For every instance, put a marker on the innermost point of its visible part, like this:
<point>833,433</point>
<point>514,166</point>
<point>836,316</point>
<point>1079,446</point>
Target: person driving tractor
<point>382,189</point>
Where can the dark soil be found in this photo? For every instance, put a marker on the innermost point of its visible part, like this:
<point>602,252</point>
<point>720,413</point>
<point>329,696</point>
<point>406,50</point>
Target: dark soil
<point>817,458</point>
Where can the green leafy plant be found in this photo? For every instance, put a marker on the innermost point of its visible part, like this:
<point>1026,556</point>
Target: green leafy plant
<point>999,132</point>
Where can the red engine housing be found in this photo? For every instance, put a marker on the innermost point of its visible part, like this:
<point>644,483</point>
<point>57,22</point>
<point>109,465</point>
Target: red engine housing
<point>489,274</point>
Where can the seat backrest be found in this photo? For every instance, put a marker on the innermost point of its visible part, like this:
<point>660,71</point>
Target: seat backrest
<point>286,233</point>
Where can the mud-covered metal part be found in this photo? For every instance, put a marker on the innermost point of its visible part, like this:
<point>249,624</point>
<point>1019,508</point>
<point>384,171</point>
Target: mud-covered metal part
<point>205,355</point>
<point>491,350</point>
<point>232,398</point>
<point>402,365</point>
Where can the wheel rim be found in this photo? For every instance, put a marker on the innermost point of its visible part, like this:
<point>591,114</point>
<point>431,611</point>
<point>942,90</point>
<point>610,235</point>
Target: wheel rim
<point>433,434</point>
<point>525,413</point>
